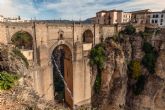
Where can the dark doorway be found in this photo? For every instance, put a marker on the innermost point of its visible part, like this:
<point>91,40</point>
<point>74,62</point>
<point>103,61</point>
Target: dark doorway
<point>62,61</point>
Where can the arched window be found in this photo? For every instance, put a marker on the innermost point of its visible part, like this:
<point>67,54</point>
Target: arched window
<point>88,36</point>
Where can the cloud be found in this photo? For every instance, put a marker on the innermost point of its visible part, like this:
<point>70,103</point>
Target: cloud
<point>72,9</point>
<point>17,7</point>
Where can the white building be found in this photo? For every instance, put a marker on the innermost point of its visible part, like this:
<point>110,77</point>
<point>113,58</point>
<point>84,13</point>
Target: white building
<point>157,18</point>
<point>12,19</point>
<point>2,19</point>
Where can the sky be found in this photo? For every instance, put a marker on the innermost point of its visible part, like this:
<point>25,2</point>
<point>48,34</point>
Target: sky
<point>72,9</point>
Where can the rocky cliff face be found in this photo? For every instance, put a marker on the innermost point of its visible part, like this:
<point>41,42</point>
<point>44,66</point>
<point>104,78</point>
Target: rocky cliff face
<point>22,96</point>
<point>116,87</point>
<point>153,95</point>
<point>114,79</point>
<point>11,61</point>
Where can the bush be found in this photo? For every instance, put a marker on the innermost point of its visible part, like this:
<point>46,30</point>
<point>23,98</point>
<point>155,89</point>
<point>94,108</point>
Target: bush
<point>7,80</point>
<point>97,84</point>
<point>139,86</point>
<point>97,56</point>
<point>135,69</point>
<point>150,57</point>
<point>18,53</point>
<point>149,62</point>
<point>130,30</point>
<point>147,47</point>
<point>22,39</point>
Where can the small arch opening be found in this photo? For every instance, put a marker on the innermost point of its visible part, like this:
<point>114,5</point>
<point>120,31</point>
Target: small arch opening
<point>22,40</point>
<point>88,36</point>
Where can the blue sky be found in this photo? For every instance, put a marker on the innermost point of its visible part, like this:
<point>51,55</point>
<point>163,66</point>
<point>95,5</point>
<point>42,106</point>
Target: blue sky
<point>71,9</point>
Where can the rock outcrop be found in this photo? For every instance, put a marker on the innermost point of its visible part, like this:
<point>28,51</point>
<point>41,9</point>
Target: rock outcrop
<point>22,96</point>
<point>117,88</point>
<point>114,79</point>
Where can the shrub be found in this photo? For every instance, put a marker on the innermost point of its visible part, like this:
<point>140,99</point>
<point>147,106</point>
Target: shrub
<point>7,80</point>
<point>130,30</point>
<point>147,47</point>
<point>97,84</point>
<point>148,61</point>
<point>18,53</point>
<point>150,57</point>
<point>139,86</point>
<point>135,69</point>
<point>97,56</point>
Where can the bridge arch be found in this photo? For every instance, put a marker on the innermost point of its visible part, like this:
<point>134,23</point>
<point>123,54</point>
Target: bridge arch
<point>22,40</point>
<point>62,61</point>
<point>60,42</point>
<point>87,36</point>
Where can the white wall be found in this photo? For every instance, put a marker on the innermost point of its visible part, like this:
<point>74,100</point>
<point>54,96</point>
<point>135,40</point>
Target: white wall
<point>158,19</point>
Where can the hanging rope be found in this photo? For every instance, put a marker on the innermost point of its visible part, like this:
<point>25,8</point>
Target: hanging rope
<point>60,74</point>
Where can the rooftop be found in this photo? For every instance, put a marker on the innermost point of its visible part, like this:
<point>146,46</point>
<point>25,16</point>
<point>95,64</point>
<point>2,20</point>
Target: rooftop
<point>142,11</point>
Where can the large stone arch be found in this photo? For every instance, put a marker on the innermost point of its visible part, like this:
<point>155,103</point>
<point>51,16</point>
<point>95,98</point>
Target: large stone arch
<point>27,35</point>
<point>13,29</point>
<point>60,42</point>
<point>26,44</point>
<point>63,66</point>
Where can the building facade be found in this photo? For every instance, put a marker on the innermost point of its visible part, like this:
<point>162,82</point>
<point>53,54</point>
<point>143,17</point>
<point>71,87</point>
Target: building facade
<point>157,18</point>
<point>140,16</point>
<point>112,17</point>
<point>101,17</point>
<point>12,19</point>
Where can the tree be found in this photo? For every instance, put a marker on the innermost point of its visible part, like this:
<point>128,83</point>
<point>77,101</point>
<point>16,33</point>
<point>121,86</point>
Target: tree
<point>130,30</point>
<point>150,57</point>
<point>97,56</point>
<point>135,69</point>
<point>22,39</point>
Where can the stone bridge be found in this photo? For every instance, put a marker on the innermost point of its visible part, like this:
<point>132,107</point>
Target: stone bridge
<point>75,39</point>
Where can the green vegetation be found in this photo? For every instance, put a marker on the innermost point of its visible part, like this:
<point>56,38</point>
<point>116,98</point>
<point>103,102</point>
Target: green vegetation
<point>22,39</point>
<point>139,85</point>
<point>135,69</point>
<point>135,72</point>
<point>130,30</point>
<point>98,58</point>
<point>18,53</point>
<point>150,57</point>
<point>97,84</point>
<point>7,80</point>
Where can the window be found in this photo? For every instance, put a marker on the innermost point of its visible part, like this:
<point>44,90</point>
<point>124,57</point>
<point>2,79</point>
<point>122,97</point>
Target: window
<point>161,20</point>
<point>162,16</point>
<point>157,16</point>
<point>152,21</point>
<point>153,16</point>
<point>161,23</point>
<point>61,36</point>
<point>156,21</point>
